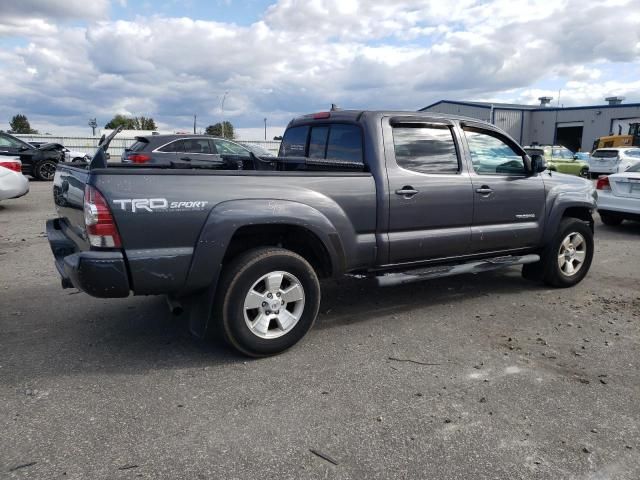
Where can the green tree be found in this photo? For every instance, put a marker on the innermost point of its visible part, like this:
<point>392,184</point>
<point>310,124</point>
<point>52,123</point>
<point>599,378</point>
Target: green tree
<point>216,130</point>
<point>135,123</point>
<point>20,124</point>
<point>144,123</point>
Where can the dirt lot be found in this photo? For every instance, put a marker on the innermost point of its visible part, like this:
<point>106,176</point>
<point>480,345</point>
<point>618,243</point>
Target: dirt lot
<point>472,377</point>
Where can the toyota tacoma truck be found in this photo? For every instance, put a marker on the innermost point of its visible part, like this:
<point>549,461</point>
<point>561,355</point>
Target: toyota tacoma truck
<point>243,242</point>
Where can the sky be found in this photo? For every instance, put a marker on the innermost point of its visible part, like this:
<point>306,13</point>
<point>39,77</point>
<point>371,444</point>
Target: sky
<point>64,62</point>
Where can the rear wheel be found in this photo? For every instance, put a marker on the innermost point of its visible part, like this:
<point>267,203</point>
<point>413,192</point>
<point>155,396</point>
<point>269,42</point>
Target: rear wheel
<point>268,300</point>
<point>44,170</point>
<point>610,219</point>
<point>584,172</point>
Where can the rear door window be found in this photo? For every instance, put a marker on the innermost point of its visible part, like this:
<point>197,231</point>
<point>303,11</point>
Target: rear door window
<point>176,146</point>
<point>196,145</point>
<point>426,149</point>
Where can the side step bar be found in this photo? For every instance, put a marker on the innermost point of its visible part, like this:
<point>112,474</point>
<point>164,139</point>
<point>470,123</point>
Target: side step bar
<point>477,266</point>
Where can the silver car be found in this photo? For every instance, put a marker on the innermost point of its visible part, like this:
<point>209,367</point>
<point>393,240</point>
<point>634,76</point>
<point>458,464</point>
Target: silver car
<point>619,196</point>
<point>613,160</point>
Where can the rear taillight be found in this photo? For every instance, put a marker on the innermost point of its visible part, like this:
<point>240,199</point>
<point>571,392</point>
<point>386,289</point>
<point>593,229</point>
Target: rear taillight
<point>98,221</point>
<point>14,165</point>
<point>138,157</point>
<point>321,115</point>
<point>603,183</point>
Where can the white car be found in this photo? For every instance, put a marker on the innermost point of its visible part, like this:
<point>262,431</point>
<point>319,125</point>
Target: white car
<point>619,196</point>
<point>12,183</point>
<point>613,160</point>
<point>74,156</point>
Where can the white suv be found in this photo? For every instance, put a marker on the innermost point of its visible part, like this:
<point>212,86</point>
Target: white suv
<point>613,160</point>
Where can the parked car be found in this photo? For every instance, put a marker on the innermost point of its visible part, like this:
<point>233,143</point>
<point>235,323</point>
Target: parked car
<point>613,160</point>
<point>432,195</point>
<point>257,150</point>
<point>76,156</point>
<point>13,183</point>
<point>39,162</point>
<point>619,196</point>
<point>563,160</point>
<point>197,149</point>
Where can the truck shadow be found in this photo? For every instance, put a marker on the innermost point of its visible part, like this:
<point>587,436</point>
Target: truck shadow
<point>137,335</point>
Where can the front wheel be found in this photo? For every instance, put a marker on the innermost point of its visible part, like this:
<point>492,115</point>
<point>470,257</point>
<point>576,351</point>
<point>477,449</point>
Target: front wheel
<point>568,258</point>
<point>584,172</point>
<point>45,170</point>
<point>268,299</point>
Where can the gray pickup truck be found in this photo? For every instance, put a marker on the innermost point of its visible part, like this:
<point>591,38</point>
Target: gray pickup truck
<point>400,196</point>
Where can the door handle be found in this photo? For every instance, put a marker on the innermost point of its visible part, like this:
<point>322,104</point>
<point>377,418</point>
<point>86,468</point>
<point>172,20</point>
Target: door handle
<point>186,159</point>
<point>484,190</point>
<point>407,191</point>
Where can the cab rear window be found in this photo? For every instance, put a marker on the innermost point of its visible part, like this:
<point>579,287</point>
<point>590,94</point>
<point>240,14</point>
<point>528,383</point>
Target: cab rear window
<point>331,142</point>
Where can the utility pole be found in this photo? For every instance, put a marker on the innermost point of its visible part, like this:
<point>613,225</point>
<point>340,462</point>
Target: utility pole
<point>93,124</point>
<point>222,110</point>
<point>194,124</point>
<point>265,128</point>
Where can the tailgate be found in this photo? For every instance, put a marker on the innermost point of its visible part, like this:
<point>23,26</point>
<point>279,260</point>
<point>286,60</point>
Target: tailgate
<point>625,184</point>
<point>68,195</point>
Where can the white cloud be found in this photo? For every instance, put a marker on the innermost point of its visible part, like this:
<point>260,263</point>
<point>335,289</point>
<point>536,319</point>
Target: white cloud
<point>303,55</point>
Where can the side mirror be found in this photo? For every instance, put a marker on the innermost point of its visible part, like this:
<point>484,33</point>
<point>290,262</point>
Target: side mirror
<point>538,164</point>
<point>575,157</point>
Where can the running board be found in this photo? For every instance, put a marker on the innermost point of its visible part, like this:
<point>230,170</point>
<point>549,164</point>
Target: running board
<point>479,266</point>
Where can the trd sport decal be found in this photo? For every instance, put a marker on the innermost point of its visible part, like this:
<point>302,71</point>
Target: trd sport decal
<point>157,205</point>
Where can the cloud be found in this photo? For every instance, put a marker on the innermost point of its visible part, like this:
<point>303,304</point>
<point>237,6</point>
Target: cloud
<point>302,56</point>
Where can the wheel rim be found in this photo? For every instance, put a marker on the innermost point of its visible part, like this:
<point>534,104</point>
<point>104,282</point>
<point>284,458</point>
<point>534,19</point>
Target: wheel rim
<point>572,254</point>
<point>273,305</point>
<point>47,170</point>
<point>584,173</point>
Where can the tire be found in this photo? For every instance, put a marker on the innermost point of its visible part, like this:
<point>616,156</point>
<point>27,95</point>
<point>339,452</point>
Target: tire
<point>584,172</point>
<point>610,219</point>
<point>269,328</point>
<point>44,170</point>
<point>573,238</point>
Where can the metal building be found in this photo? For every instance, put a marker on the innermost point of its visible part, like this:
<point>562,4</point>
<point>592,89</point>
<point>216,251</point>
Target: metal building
<point>574,127</point>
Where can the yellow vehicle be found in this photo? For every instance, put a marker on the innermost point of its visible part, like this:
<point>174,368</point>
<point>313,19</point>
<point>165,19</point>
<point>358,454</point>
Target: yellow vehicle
<point>632,139</point>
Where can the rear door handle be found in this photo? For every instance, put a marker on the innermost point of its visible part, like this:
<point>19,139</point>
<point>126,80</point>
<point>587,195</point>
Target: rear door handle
<point>406,191</point>
<point>484,190</point>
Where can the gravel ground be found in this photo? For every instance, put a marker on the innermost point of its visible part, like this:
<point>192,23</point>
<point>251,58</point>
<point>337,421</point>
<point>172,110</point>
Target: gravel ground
<point>471,377</point>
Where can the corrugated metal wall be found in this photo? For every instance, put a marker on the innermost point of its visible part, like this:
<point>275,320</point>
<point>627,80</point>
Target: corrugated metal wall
<point>118,144</point>
<point>480,113</point>
<point>509,120</point>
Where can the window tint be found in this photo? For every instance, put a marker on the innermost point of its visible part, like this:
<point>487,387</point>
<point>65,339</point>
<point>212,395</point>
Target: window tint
<point>224,147</point>
<point>176,146</point>
<point>345,143</point>
<point>196,145</point>
<point>633,153</point>
<point>490,155</point>
<point>294,142</point>
<point>425,149</point>
<point>318,142</point>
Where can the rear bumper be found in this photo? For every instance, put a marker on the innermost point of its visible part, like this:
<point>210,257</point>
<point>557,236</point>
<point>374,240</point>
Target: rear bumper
<point>100,274</point>
<point>610,203</point>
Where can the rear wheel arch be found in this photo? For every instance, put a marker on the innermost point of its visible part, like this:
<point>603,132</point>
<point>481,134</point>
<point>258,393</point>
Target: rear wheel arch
<point>291,237</point>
